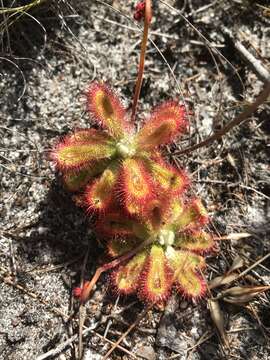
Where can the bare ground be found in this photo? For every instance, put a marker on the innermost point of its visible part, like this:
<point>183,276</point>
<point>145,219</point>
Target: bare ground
<point>44,237</point>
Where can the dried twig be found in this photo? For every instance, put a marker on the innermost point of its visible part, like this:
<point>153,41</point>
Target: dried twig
<point>262,73</point>
<point>132,326</point>
<point>82,312</point>
<point>243,116</point>
<point>9,281</point>
<point>62,346</point>
<point>118,346</point>
<point>253,266</point>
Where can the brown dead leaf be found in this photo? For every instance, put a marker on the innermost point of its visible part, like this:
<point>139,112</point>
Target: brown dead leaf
<point>238,262</point>
<point>218,319</point>
<point>231,160</point>
<point>239,300</point>
<point>243,290</point>
<point>227,278</point>
<point>222,280</point>
<point>242,295</point>
<point>234,236</point>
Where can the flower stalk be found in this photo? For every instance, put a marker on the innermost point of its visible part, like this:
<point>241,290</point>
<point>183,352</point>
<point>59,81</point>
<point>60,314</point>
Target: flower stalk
<point>147,21</point>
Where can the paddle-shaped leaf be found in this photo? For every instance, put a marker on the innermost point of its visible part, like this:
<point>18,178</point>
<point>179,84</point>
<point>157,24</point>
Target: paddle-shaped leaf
<point>106,108</point>
<point>156,278</point>
<point>186,277</point>
<point>99,195</point>
<point>198,241</point>
<point>81,149</point>
<point>165,123</point>
<point>136,185</point>
<point>126,278</point>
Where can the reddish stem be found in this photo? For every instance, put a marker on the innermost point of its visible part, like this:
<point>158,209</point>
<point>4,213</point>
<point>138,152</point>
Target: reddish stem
<point>147,21</point>
<point>88,286</point>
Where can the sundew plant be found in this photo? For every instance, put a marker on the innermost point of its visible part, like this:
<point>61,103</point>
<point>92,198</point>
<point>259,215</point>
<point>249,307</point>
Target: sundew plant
<point>153,229</point>
<point>114,163</point>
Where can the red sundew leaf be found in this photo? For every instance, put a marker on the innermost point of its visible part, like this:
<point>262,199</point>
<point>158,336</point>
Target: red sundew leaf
<point>199,211</point>
<point>193,216</point>
<point>198,241</point>
<point>92,136</point>
<point>99,195</point>
<point>186,278</point>
<point>190,284</point>
<point>166,122</point>
<point>77,180</point>
<point>81,149</point>
<point>157,212</point>
<point>186,259</point>
<point>168,178</point>
<point>156,278</point>
<point>106,108</point>
<point>115,224</point>
<point>119,246</point>
<point>126,278</point>
<point>79,156</point>
<point>176,209</point>
<point>136,185</point>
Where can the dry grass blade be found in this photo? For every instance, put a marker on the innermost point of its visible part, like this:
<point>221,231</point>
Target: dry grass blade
<point>238,262</point>
<point>21,73</point>
<point>82,317</point>
<point>7,279</point>
<point>13,14</point>
<point>242,295</point>
<point>62,346</point>
<point>132,326</point>
<point>222,280</point>
<point>239,300</point>
<point>21,8</point>
<point>230,276</point>
<point>240,290</point>
<point>243,116</point>
<point>82,312</point>
<point>265,9</point>
<point>118,346</point>
<point>211,48</point>
<point>260,70</point>
<point>218,319</point>
<point>234,236</point>
<point>253,265</point>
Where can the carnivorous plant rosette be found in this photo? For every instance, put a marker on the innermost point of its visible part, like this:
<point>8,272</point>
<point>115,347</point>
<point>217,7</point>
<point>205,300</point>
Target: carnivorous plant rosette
<point>171,241</point>
<point>115,162</point>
